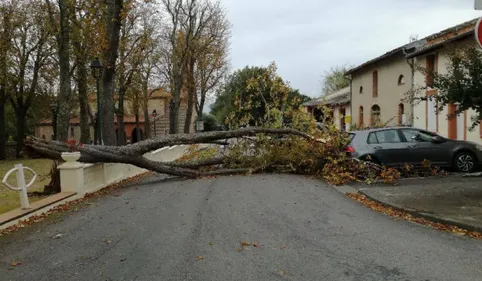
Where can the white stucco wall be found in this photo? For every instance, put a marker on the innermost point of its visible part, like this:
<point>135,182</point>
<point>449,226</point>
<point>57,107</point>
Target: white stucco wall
<point>390,94</point>
<point>420,109</point>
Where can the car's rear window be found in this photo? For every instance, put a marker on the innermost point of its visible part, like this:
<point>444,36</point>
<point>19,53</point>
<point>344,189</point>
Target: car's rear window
<point>352,136</point>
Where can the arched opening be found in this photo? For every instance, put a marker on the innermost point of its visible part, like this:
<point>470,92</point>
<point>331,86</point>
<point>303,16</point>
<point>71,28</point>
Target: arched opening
<point>401,80</point>
<point>137,135</point>
<point>43,136</point>
<point>401,114</point>
<point>361,90</point>
<point>360,116</point>
<point>375,115</point>
<point>72,132</point>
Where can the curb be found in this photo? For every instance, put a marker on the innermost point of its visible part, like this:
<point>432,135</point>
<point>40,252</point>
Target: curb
<point>429,217</point>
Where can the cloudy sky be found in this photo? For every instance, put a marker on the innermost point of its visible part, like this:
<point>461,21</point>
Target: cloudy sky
<point>307,37</point>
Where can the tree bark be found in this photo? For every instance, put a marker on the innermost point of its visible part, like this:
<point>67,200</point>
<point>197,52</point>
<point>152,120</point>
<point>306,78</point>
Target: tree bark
<point>21,119</point>
<point>191,95</point>
<point>83,104</point>
<point>3,136</point>
<point>113,25</point>
<point>121,137</point>
<point>5,43</point>
<point>145,109</point>
<point>63,97</point>
<point>174,115</point>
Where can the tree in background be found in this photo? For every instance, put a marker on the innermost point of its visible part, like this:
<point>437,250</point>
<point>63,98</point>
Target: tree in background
<point>462,83</point>
<point>5,47</point>
<point>210,123</point>
<point>335,79</point>
<point>256,95</point>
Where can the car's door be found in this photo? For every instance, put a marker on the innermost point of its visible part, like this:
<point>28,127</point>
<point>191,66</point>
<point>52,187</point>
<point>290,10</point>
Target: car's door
<point>388,147</point>
<point>422,148</point>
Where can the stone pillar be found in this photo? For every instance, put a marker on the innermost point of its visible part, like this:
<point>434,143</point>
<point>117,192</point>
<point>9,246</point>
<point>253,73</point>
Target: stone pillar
<point>71,173</point>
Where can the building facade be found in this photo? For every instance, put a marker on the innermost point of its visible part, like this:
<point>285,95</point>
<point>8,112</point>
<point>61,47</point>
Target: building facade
<point>379,90</point>
<point>339,103</point>
<point>434,56</point>
<point>158,113</point>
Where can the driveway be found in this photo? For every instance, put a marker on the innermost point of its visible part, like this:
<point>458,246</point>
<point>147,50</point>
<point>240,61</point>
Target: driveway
<point>302,229</point>
<point>454,199</point>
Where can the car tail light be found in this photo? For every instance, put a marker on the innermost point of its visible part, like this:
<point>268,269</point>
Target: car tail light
<point>349,149</point>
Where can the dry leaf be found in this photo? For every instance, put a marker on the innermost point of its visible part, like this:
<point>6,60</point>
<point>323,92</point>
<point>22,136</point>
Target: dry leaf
<point>282,247</point>
<point>16,263</point>
<point>199,258</point>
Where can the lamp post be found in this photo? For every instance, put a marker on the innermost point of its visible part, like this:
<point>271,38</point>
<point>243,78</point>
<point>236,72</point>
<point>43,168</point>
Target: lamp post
<point>154,114</point>
<point>96,68</point>
<point>54,119</point>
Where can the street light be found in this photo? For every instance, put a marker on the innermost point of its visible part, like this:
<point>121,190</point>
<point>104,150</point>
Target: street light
<point>96,68</point>
<point>154,114</point>
<point>54,118</point>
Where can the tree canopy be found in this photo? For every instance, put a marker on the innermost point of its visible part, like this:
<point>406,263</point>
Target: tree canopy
<point>335,79</point>
<point>248,91</point>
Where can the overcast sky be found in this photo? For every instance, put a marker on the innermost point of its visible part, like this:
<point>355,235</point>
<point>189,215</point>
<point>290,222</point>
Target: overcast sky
<point>307,37</point>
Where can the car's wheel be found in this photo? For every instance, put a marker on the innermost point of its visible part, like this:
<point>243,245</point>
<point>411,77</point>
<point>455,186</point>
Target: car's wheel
<point>464,162</point>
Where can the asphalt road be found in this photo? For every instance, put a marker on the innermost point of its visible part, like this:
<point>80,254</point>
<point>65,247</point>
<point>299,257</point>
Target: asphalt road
<point>191,230</point>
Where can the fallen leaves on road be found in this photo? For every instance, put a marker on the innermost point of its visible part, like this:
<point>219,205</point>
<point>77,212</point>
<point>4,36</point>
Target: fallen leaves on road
<point>399,214</point>
<point>245,244</point>
<point>15,263</point>
<point>200,258</point>
<point>69,206</point>
<point>282,247</point>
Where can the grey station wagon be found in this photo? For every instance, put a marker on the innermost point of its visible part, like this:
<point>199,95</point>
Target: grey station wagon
<point>399,145</point>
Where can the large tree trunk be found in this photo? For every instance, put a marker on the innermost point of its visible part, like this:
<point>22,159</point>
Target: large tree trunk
<point>145,109</point>
<point>191,95</point>
<point>4,47</point>
<point>84,111</point>
<point>174,116</point>
<point>63,97</point>
<point>3,136</point>
<point>113,25</point>
<point>121,137</point>
<point>21,120</point>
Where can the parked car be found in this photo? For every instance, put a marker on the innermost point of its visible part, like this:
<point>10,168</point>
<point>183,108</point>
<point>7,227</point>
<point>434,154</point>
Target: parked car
<point>399,145</point>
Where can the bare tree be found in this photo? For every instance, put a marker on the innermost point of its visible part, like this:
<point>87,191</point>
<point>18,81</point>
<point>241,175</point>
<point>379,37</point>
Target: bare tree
<point>212,61</point>
<point>31,52</point>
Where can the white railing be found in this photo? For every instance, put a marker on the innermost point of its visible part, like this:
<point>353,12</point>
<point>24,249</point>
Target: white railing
<point>21,186</point>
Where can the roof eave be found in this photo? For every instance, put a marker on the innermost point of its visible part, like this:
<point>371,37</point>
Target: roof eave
<point>440,44</point>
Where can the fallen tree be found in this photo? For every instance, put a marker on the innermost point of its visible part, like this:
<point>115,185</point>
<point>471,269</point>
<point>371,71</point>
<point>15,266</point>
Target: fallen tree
<point>228,164</point>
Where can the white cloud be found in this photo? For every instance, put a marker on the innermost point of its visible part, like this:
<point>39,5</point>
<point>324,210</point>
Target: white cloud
<point>307,37</point>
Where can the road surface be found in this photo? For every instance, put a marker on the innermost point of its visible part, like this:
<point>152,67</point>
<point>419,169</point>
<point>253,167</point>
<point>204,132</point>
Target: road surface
<point>303,229</point>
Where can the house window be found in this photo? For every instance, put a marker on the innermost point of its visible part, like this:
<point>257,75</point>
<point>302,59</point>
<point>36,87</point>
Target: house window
<point>361,90</point>
<point>401,80</point>
<point>375,83</point>
<point>430,69</point>
<point>43,136</point>
<point>375,115</point>
<point>360,116</point>
<point>401,114</point>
